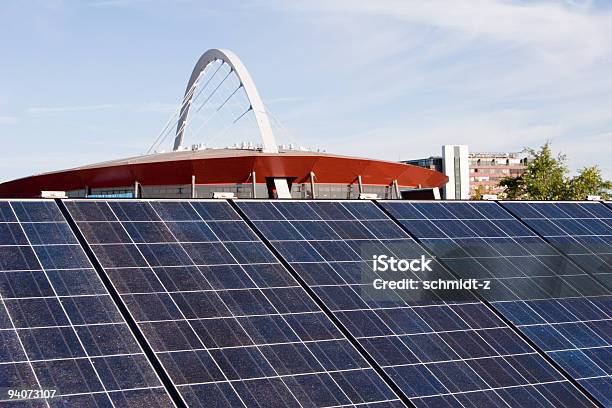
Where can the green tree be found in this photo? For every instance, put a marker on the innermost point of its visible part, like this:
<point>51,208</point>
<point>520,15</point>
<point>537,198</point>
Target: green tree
<point>546,179</point>
<point>513,188</point>
<point>589,181</point>
<point>478,192</point>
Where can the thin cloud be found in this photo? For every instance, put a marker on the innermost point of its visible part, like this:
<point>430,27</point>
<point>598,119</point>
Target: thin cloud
<point>575,34</point>
<point>283,99</point>
<point>37,110</point>
<point>8,120</point>
<point>499,75</point>
<point>142,107</point>
<point>118,3</point>
<point>158,107</point>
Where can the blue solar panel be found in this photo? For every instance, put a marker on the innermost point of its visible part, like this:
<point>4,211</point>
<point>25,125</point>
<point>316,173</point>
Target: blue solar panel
<point>562,309</point>
<point>227,321</point>
<point>59,327</point>
<point>581,230</point>
<point>440,353</point>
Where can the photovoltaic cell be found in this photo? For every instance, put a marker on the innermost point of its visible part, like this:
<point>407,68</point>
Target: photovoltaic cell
<point>562,309</point>
<point>59,328</point>
<point>227,321</point>
<point>440,353</point>
<point>581,230</point>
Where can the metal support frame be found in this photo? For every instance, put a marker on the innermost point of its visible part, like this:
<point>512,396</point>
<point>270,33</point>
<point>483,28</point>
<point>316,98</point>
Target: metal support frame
<point>253,180</point>
<point>312,184</point>
<point>150,355</point>
<point>257,106</point>
<point>314,295</point>
<point>493,309</point>
<point>396,189</point>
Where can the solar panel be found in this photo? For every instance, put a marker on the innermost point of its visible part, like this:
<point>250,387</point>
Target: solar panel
<point>581,230</point>
<point>439,352</point>
<point>562,309</point>
<point>227,321</point>
<point>61,334</point>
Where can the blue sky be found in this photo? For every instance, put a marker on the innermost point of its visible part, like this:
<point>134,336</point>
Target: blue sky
<point>89,81</point>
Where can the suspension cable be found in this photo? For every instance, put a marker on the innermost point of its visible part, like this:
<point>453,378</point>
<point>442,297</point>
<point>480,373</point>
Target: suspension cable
<point>207,82</point>
<point>210,118</point>
<point>229,97</point>
<point>281,126</point>
<point>184,124</point>
<point>244,113</point>
<point>192,96</point>
<point>187,99</point>
<point>170,120</point>
<point>214,90</point>
<point>233,120</point>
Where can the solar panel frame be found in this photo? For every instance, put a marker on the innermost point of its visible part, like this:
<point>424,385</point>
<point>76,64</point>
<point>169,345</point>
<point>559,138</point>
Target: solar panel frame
<point>327,240</point>
<point>258,219</point>
<point>236,249</point>
<point>581,230</point>
<point>66,354</point>
<point>535,317</point>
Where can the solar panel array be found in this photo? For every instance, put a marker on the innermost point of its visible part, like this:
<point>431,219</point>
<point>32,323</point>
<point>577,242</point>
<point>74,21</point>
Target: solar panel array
<point>268,303</point>
<point>60,330</point>
<point>228,322</point>
<point>561,308</point>
<point>439,353</point>
<point>581,230</point>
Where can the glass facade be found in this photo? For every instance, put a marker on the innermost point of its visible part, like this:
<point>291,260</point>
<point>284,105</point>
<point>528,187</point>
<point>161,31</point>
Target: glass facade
<point>181,191</point>
<point>245,190</point>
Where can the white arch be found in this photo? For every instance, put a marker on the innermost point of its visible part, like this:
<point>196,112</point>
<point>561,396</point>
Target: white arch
<point>263,122</point>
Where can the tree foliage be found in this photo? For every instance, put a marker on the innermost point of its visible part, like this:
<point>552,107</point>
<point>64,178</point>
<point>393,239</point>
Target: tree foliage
<point>589,181</point>
<point>478,192</point>
<point>546,179</point>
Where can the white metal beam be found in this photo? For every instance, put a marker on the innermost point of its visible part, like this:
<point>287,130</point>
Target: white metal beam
<point>261,116</point>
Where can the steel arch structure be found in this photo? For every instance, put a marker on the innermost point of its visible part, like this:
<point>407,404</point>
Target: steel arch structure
<point>261,116</point>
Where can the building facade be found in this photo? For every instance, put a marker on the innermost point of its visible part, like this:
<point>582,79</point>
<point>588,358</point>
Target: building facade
<point>247,173</point>
<point>488,169</point>
<point>432,163</point>
<point>469,173</point>
<point>455,165</point>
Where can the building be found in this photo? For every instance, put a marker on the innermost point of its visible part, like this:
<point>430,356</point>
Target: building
<point>485,170</point>
<point>455,165</point>
<point>244,172</point>
<point>247,173</point>
<point>432,162</point>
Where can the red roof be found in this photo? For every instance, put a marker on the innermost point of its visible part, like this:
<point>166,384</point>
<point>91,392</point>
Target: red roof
<point>225,166</point>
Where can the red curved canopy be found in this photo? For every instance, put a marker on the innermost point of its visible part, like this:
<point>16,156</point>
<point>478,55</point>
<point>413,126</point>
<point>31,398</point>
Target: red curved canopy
<point>225,169</point>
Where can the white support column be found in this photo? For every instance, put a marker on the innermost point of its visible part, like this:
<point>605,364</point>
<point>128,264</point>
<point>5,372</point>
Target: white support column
<point>282,188</point>
<point>193,186</point>
<point>360,184</point>
<point>396,188</point>
<point>312,184</point>
<point>254,184</point>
